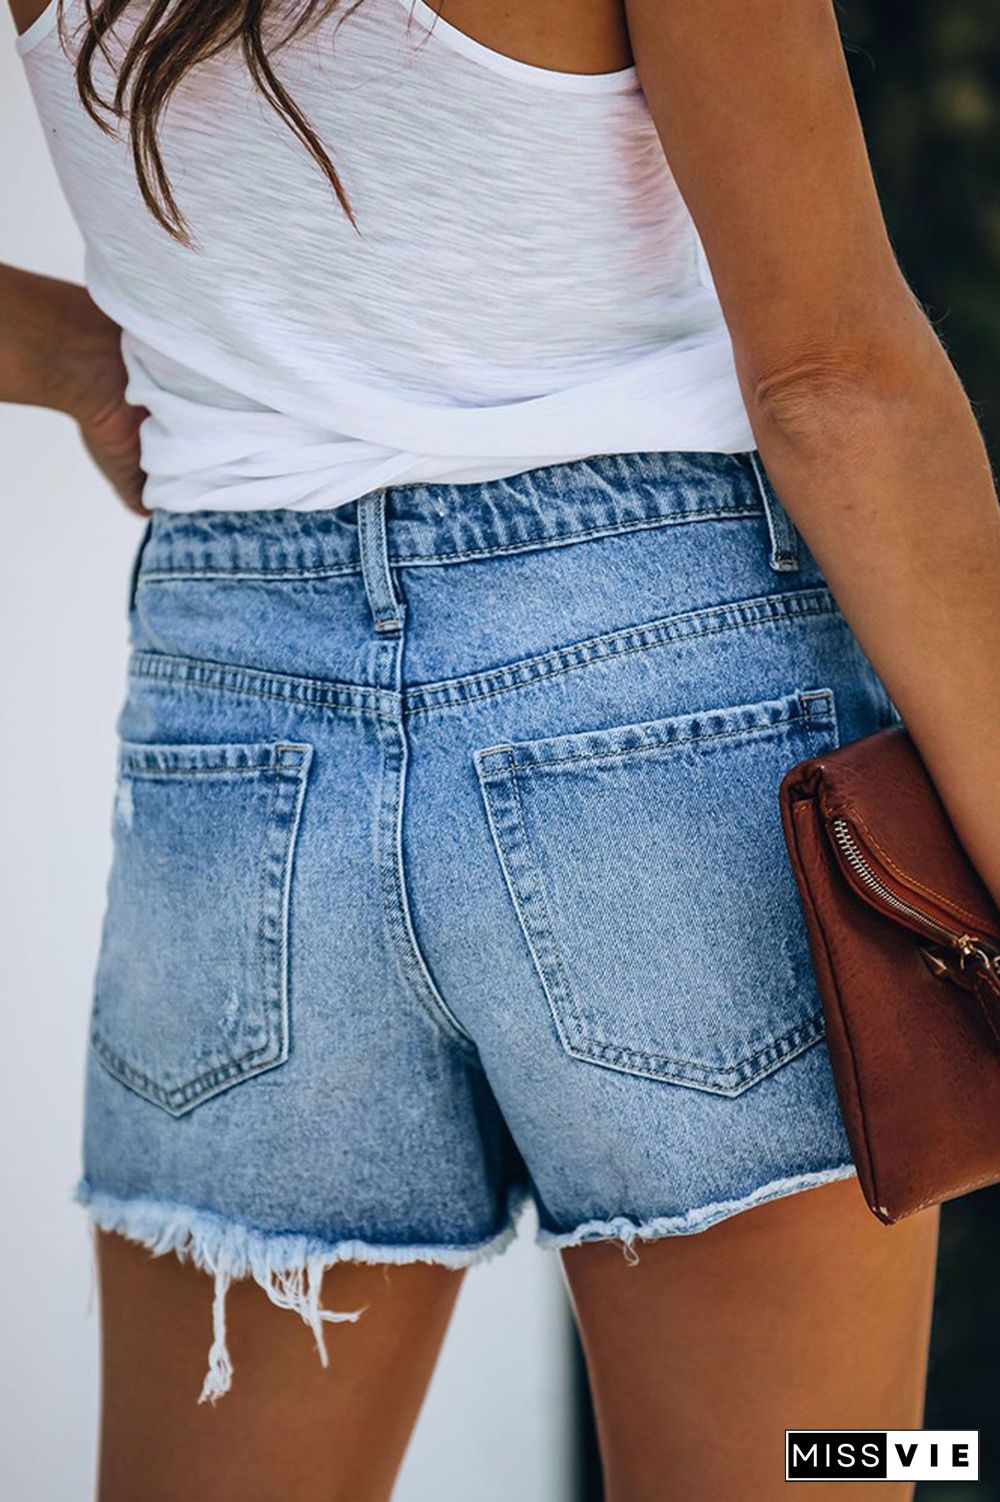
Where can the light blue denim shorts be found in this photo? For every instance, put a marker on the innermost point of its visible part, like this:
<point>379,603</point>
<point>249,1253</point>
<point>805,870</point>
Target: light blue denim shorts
<point>448,874</point>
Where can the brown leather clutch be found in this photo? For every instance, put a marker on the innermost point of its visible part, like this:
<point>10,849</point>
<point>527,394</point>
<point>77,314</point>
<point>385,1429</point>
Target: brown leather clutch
<point>905,943</point>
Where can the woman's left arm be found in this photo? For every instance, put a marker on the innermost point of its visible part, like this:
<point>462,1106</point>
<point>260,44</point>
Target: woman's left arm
<point>859,416</point>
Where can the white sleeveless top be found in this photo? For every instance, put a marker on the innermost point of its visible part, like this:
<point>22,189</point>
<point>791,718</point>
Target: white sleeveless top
<point>525,285</point>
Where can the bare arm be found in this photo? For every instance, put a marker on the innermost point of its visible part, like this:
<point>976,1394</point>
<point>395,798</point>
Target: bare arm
<point>51,338</point>
<point>58,350</point>
<point>860,419</point>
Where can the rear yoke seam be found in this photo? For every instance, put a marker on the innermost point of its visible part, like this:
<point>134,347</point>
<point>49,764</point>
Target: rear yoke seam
<point>310,693</point>
<point>238,575</point>
<point>669,632</point>
<point>152,773</point>
<point>768,610</point>
<point>418,560</point>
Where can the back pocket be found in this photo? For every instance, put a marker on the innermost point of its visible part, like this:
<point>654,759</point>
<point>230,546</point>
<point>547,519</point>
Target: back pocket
<point>648,870</point>
<point>191,992</point>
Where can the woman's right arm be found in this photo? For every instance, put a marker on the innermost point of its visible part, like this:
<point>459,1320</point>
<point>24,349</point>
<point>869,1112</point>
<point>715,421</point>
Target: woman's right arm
<point>58,350</point>
<point>859,416</point>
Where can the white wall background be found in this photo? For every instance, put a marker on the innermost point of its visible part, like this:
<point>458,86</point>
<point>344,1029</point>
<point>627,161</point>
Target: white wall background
<point>494,1424</point>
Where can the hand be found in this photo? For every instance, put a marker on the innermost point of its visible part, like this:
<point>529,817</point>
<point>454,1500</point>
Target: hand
<point>109,426</point>
<point>112,440</point>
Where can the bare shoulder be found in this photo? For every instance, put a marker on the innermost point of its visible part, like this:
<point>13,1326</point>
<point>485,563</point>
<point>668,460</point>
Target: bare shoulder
<point>26,13</point>
<point>574,36</point>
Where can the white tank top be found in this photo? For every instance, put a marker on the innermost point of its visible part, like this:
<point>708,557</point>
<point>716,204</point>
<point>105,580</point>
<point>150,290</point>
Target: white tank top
<point>525,285</point>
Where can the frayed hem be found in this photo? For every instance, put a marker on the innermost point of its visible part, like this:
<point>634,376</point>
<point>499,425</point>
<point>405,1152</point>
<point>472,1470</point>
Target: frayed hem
<point>626,1231</point>
<point>289,1268</point>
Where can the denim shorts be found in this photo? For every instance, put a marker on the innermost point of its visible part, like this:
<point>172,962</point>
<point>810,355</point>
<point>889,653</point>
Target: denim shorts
<point>448,874</point>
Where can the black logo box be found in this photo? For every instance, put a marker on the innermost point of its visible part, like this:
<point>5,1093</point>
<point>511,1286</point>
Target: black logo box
<point>836,1454</point>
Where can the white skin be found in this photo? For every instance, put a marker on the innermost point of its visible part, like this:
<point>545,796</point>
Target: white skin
<point>805,1312</point>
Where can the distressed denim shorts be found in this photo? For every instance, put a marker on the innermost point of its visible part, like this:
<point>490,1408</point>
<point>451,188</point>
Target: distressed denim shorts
<point>448,874</point>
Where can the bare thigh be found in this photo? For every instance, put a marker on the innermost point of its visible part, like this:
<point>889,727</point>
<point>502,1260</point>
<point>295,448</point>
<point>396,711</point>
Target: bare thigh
<point>290,1430</point>
<point>803,1313</point>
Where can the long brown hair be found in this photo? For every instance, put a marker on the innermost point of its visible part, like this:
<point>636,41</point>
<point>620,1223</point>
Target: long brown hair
<point>173,37</point>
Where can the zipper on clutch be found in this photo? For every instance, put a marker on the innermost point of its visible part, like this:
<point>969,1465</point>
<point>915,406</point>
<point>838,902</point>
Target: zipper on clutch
<point>968,946</point>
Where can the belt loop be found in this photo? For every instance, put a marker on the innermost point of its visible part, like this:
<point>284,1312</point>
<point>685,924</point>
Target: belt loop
<point>136,569</point>
<point>784,557</point>
<point>387,612</point>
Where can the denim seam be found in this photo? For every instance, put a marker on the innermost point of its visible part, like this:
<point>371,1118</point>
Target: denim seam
<point>376,572</point>
<point>750,1068</point>
<point>220,575</point>
<point>787,1045</point>
<point>276,1014</point>
<point>769,610</point>
<point>222,1074</point>
<point>820,713</point>
<point>549,965</point>
<point>561,539</point>
<point>418,979</point>
<point>797,1038</point>
<point>546,950</point>
<point>180,1098</point>
<point>552,943</point>
<point>317,693</point>
<point>413,969</point>
<point>311,693</point>
<point>523,894</point>
<point>153,774</point>
<point>697,738</point>
<point>803,711</point>
<point>137,759</point>
<point>417,560</point>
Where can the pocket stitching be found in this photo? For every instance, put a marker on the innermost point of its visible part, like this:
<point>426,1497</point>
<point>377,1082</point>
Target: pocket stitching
<point>816,713</point>
<point>289,777</point>
<point>744,732</point>
<point>555,947</point>
<point>815,708</point>
<point>522,850</point>
<point>782,1047</point>
<point>181,1095</point>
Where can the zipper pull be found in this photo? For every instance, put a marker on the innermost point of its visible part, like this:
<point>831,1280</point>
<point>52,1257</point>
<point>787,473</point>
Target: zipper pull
<point>971,949</point>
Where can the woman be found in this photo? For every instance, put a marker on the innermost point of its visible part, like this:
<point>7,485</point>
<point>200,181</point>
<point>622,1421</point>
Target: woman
<point>471,482</point>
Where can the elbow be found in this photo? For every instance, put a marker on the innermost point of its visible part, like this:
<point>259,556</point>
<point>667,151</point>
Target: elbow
<point>815,407</point>
<point>845,396</point>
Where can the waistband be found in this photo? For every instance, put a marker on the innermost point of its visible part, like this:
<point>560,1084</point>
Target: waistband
<point>425,524</point>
